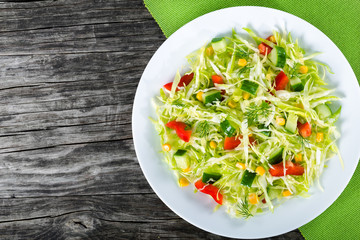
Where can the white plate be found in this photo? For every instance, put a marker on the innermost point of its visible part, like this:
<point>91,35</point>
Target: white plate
<point>198,208</point>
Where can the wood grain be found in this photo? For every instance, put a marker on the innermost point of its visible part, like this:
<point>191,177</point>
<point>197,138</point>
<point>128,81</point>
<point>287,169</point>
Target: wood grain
<point>68,170</point>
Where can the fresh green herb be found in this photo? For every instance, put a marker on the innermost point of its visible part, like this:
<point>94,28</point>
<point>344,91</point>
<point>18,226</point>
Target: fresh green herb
<point>254,112</point>
<point>294,71</point>
<point>243,208</point>
<point>203,128</point>
<point>303,142</point>
<point>177,103</point>
<point>242,70</point>
<point>241,54</point>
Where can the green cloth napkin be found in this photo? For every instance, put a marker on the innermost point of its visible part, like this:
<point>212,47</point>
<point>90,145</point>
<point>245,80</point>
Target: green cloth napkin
<point>340,22</point>
<point>338,19</point>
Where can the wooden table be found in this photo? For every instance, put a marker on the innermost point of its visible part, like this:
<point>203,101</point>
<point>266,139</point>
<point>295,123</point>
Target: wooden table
<point>68,169</point>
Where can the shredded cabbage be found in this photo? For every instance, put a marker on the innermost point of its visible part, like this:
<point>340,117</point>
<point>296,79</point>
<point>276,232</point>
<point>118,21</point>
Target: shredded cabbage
<point>204,120</point>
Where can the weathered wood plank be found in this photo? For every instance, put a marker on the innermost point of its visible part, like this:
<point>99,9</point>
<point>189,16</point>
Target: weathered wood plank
<point>107,167</point>
<point>85,226</point>
<point>89,26</point>
<point>68,170</point>
<point>138,217</point>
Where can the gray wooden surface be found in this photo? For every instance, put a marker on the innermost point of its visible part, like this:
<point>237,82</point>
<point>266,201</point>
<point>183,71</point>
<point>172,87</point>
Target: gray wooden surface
<point>68,170</point>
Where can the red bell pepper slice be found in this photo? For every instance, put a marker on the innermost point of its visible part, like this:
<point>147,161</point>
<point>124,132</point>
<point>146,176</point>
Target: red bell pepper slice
<point>179,128</point>
<point>252,140</point>
<point>211,190</point>
<point>277,170</point>
<point>231,143</point>
<point>281,81</point>
<point>168,86</point>
<point>185,80</point>
<point>217,79</point>
<point>304,129</point>
<point>264,49</point>
<point>269,39</point>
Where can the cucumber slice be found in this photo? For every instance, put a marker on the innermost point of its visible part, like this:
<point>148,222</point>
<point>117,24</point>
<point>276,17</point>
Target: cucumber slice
<point>227,128</point>
<point>323,111</point>
<point>291,123</point>
<point>278,56</point>
<point>248,178</point>
<point>210,177</point>
<point>249,86</point>
<point>181,159</point>
<point>266,131</point>
<point>334,117</point>
<point>276,156</point>
<point>273,193</point>
<point>211,96</point>
<point>296,84</point>
<point>219,45</point>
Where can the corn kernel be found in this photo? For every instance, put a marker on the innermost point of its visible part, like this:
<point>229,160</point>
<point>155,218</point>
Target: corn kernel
<point>232,104</point>
<point>298,157</point>
<point>260,170</point>
<point>272,39</point>
<point>250,135</point>
<point>183,182</point>
<point>240,165</point>
<point>286,193</point>
<point>213,144</point>
<point>303,69</point>
<point>199,96</point>
<point>185,170</point>
<point>280,121</point>
<point>268,76</point>
<point>253,198</point>
<point>209,51</point>
<point>246,95</point>
<point>300,105</point>
<point>319,137</point>
<point>166,147</point>
<point>242,62</point>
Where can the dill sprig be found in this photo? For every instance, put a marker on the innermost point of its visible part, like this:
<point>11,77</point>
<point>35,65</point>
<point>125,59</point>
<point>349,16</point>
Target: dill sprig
<point>203,128</point>
<point>243,209</point>
<point>241,54</point>
<point>242,70</point>
<point>303,142</point>
<point>177,103</point>
<point>254,112</point>
<point>294,71</point>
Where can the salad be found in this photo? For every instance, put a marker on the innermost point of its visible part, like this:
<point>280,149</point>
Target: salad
<point>251,124</point>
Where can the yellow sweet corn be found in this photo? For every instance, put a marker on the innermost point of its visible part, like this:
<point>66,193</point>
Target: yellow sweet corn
<point>303,69</point>
<point>232,104</point>
<point>166,147</point>
<point>260,170</point>
<point>253,198</point>
<point>286,193</point>
<point>183,182</point>
<point>240,165</point>
<point>213,144</point>
<point>242,62</point>
<point>199,96</point>
<point>280,121</point>
<point>298,157</point>
<point>209,51</point>
<point>246,95</point>
<point>319,137</point>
